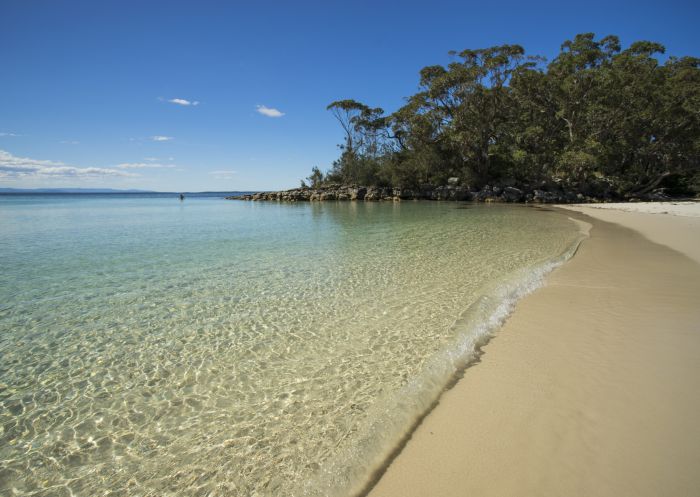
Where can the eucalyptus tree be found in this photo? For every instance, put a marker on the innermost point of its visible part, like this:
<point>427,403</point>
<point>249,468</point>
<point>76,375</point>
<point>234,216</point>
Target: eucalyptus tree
<point>361,125</point>
<point>624,120</point>
<point>471,107</point>
<point>575,73</point>
<point>538,137</point>
<point>596,119</point>
<point>575,79</point>
<point>676,149</point>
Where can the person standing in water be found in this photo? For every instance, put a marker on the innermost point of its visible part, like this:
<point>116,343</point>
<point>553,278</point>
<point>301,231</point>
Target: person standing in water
<point>182,197</point>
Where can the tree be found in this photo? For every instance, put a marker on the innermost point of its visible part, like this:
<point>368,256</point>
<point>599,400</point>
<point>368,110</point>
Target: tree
<point>470,105</point>
<point>315,178</point>
<point>362,126</point>
<point>574,74</point>
<point>597,119</point>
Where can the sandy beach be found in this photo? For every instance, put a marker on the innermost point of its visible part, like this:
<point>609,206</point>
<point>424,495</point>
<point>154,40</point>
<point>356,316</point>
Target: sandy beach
<point>674,224</point>
<point>591,388</point>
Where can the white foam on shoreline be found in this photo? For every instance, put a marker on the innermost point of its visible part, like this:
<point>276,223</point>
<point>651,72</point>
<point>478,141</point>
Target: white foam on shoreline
<point>239,348</point>
<point>394,417</point>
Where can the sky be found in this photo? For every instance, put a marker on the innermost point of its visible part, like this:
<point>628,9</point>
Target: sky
<point>232,96</point>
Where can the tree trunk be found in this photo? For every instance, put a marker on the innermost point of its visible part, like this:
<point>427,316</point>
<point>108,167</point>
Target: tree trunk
<point>652,184</point>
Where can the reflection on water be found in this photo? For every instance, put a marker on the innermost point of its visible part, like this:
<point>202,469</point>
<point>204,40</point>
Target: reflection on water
<point>149,347</point>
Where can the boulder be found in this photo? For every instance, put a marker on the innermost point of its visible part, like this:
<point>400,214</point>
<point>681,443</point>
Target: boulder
<point>358,193</point>
<point>512,194</point>
<point>544,197</point>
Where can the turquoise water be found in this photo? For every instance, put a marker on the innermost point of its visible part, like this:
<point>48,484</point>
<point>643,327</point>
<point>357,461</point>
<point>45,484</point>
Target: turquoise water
<point>213,347</point>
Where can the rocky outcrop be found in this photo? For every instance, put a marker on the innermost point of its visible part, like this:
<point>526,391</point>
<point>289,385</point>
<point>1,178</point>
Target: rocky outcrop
<point>367,194</point>
<point>544,193</point>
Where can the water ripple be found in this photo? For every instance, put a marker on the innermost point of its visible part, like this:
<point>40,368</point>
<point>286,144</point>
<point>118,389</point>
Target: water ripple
<point>234,349</point>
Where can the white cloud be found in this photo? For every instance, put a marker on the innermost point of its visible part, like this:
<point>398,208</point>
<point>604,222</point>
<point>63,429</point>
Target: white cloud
<point>182,101</point>
<point>70,142</point>
<point>161,138</point>
<point>144,165</point>
<point>223,174</point>
<point>269,111</point>
<point>156,159</point>
<point>12,167</point>
<point>9,134</point>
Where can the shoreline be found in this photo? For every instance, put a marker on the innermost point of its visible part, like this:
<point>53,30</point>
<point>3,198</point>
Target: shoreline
<point>483,321</point>
<point>523,194</point>
<point>673,224</point>
<point>591,387</point>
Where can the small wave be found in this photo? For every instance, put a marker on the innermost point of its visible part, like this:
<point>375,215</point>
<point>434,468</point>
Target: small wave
<point>390,422</point>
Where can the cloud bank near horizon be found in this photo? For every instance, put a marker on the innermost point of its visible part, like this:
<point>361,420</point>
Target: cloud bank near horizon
<point>13,167</point>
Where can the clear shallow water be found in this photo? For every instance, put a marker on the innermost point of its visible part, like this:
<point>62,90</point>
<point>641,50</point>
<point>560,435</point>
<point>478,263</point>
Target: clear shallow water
<point>213,347</point>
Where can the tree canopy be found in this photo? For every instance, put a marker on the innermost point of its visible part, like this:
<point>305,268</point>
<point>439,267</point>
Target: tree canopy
<point>597,117</point>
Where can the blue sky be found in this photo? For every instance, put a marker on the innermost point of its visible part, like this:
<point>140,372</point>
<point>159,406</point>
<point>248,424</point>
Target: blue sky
<point>95,93</point>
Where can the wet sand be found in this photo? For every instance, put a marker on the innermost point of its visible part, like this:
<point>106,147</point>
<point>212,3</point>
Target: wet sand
<point>591,388</point>
<point>674,224</point>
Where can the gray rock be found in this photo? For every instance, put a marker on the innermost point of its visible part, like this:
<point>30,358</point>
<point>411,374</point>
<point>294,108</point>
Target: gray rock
<point>358,193</point>
<point>511,194</point>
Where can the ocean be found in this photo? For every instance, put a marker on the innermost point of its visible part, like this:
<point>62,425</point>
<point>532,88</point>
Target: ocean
<point>152,347</point>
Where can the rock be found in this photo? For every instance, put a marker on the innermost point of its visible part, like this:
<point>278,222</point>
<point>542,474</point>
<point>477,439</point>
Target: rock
<point>460,194</point>
<point>425,191</point>
<point>658,194</point>
<point>372,195</point>
<point>544,197</point>
<point>544,192</point>
<point>375,194</point>
<point>358,193</point>
<point>484,195</point>
<point>511,194</point>
<point>439,193</point>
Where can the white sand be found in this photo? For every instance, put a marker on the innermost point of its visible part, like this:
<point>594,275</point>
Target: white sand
<point>684,209</point>
<point>674,224</point>
<point>591,389</point>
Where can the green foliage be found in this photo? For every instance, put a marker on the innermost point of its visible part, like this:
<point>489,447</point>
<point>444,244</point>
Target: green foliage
<point>315,178</point>
<point>595,115</point>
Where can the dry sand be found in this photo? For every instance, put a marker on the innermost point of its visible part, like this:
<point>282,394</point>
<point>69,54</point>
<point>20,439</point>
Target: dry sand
<point>687,208</point>
<point>591,388</point>
<point>674,224</point>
